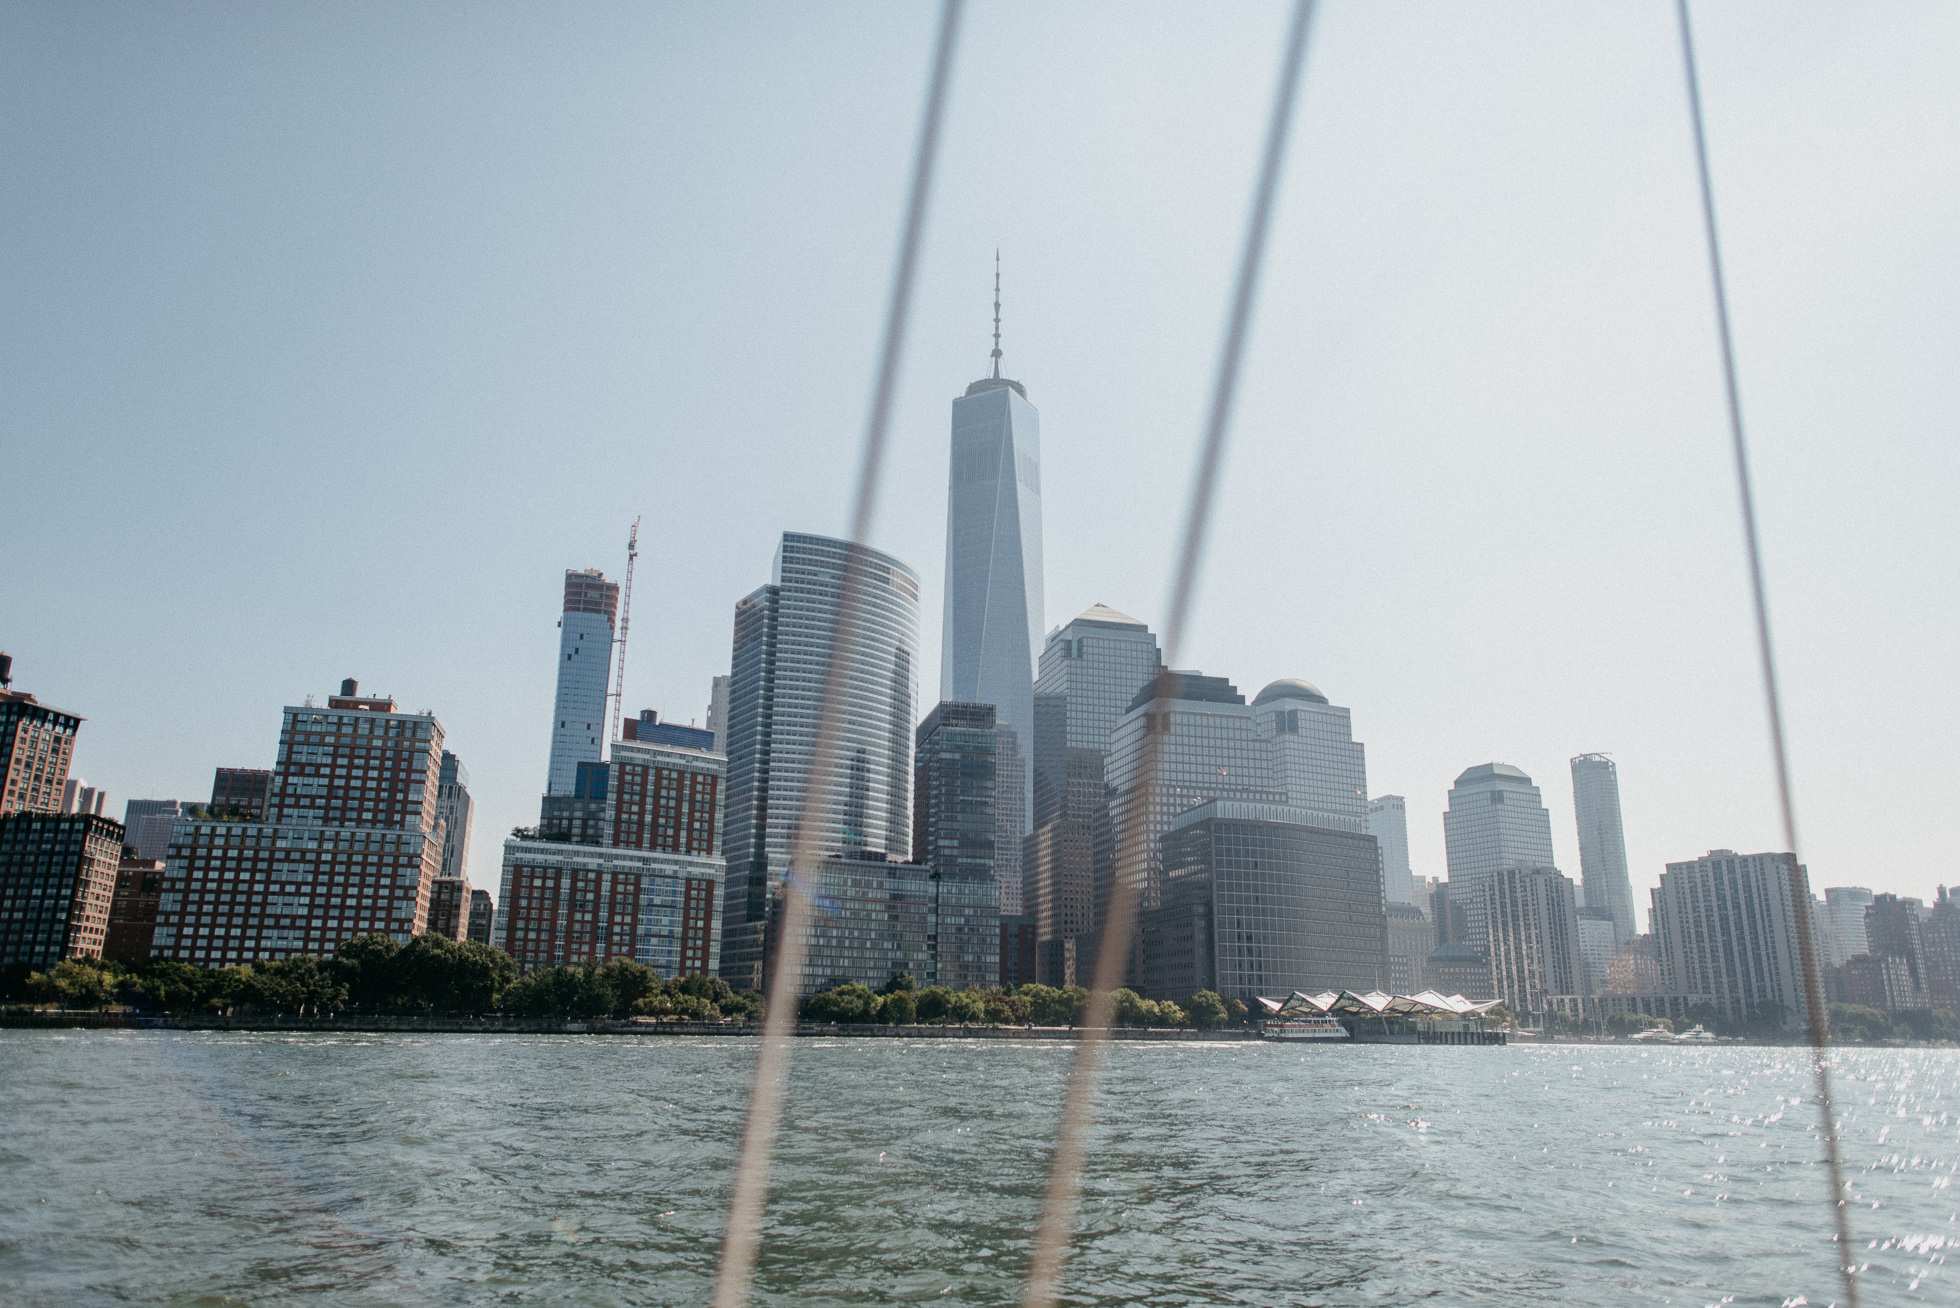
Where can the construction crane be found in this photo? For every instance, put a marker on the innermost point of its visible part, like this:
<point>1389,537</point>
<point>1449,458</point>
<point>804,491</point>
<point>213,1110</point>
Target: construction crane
<point>625,612</point>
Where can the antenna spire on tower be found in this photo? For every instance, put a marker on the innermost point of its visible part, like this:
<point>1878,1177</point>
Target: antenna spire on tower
<point>996,314</point>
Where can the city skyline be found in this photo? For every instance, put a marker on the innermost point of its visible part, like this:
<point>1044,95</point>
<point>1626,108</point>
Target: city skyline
<point>1648,660</point>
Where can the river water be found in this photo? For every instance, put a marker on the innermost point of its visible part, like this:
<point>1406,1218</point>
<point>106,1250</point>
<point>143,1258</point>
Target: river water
<point>211,1169</point>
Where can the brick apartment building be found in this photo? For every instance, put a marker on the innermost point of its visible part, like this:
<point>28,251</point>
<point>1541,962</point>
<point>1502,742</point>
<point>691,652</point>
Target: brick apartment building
<point>646,884</point>
<point>349,844</point>
<point>57,885</point>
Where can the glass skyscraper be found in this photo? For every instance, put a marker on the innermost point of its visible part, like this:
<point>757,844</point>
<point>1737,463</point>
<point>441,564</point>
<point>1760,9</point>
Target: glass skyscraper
<point>1316,759</point>
<point>1496,819</point>
<point>1603,842</point>
<point>783,650</point>
<point>993,618</point>
<point>585,645</point>
<point>1290,747</point>
<point>1091,669</point>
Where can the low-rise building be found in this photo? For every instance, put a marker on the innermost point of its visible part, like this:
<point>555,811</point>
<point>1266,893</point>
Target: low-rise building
<point>1590,1008</point>
<point>1457,969</point>
<point>57,886</point>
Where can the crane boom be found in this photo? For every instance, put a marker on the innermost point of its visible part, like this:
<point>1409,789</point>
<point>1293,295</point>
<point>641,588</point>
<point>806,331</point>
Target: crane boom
<point>625,613</point>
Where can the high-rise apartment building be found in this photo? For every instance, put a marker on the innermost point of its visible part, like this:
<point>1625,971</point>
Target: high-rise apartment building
<point>1534,936</point>
<point>993,616</point>
<point>1894,929</point>
<point>57,886</point>
<point>1603,842</point>
<point>641,879</point>
<point>348,845</point>
<point>147,823</point>
<point>456,811</point>
<point>1496,819</point>
<point>37,747</point>
<point>241,792</point>
<point>1725,925</point>
<point>585,646</point>
<point>666,797</point>
<point>786,642</point>
<point>78,796</point>
<point>1263,899</point>
<point>1388,823</point>
<point>1091,668</point>
<point>1939,936</point>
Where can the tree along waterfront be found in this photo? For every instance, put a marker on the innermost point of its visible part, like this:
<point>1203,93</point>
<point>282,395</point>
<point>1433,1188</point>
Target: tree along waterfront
<point>902,1003</point>
<point>376,974</point>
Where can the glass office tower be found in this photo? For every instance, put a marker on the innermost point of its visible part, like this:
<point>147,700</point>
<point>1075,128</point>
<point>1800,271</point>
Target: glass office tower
<point>1603,842</point>
<point>1091,669</point>
<point>782,654</point>
<point>1496,819</point>
<point>993,619</point>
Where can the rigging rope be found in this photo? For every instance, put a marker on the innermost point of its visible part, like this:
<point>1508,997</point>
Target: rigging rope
<point>1815,1013</point>
<point>739,1239</point>
<point>1113,950</point>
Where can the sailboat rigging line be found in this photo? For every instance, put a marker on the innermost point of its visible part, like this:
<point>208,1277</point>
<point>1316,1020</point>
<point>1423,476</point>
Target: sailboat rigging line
<point>1112,956</point>
<point>1800,909</point>
<point>745,1206</point>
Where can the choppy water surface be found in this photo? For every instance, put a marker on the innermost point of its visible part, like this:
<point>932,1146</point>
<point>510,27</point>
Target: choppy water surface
<point>169,1168</point>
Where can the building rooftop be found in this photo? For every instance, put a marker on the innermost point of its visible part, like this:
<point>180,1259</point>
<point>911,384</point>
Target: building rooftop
<point>1103,613</point>
<point>997,383</point>
<point>1187,686</point>
<point>1290,688</point>
<point>1493,772</point>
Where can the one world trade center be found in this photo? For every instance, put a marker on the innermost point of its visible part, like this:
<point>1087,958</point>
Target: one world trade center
<point>993,578</point>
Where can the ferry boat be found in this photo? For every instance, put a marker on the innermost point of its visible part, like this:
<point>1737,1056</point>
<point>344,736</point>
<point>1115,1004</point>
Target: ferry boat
<point>1304,1028</point>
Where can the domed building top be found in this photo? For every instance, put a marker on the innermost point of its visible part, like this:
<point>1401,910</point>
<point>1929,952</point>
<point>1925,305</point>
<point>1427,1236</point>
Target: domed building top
<point>1290,688</point>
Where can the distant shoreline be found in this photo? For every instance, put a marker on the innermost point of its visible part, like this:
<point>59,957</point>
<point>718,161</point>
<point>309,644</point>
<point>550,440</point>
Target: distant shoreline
<point>494,1025</point>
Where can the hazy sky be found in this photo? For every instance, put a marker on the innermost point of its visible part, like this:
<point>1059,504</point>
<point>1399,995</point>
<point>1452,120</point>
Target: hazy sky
<point>333,334</point>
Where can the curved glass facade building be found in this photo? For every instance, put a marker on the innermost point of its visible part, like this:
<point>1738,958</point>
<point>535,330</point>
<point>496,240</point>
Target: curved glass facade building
<point>783,649</point>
